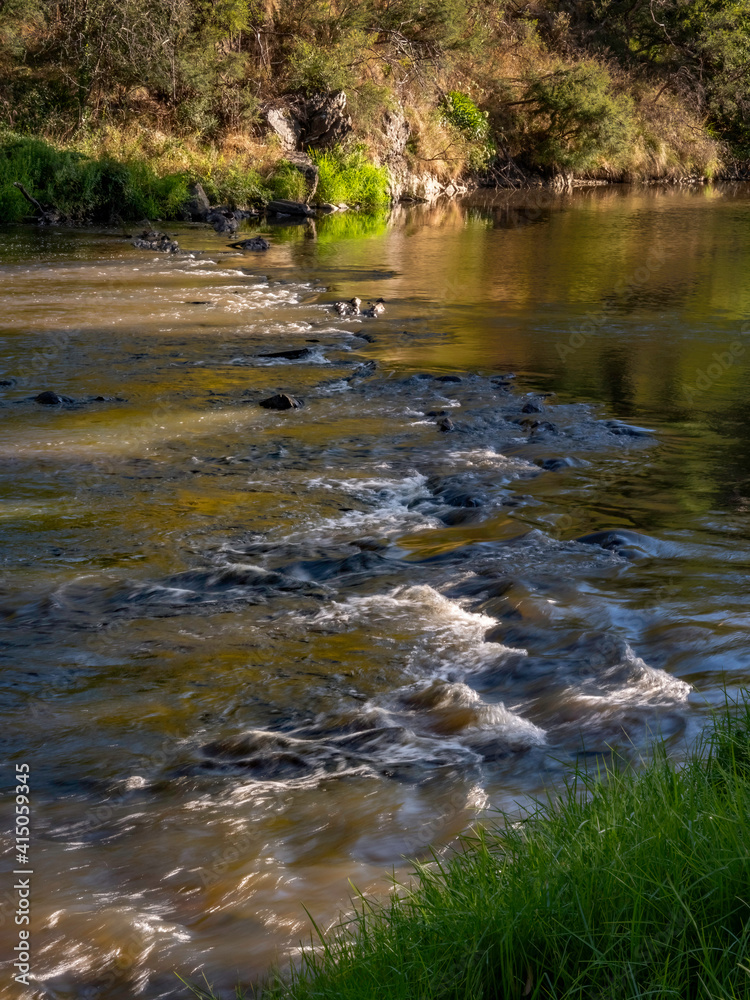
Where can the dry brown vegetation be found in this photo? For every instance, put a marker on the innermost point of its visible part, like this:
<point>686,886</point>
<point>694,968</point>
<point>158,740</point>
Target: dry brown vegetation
<point>185,83</point>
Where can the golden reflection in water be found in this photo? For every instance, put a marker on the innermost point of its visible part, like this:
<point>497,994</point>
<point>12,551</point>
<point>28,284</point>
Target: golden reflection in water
<point>149,863</point>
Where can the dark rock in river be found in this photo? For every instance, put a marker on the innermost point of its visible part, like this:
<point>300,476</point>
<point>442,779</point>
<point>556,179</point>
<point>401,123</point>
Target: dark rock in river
<point>350,308</point>
<point>197,207</point>
<point>223,221</point>
<point>531,407</point>
<point>453,493</point>
<point>150,240</point>
<point>364,370</point>
<point>281,206</point>
<point>627,430</point>
<point>620,540</point>
<point>257,243</point>
<point>543,426</point>
<point>281,401</point>
<point>291,355</point>
<point>445,424</point>
<point>48,398</point>
<point>361,564</point>
<point>447,378</point>
<point>374,309</point>
<point>460,515</point>
<point>555,464</point>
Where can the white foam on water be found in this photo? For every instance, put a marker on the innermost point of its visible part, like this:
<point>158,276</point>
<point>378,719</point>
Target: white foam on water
<point>316,357</point>
<point>455,709</point>
<point>388,501</point>
<point>447,639</point>
<point>340,385</point>
<point>632,681</point>
<point>488,458</point>
<point>197,267</point>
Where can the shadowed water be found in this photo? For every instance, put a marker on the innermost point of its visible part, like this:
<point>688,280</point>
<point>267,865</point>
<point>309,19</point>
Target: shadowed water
<point>252,655</point>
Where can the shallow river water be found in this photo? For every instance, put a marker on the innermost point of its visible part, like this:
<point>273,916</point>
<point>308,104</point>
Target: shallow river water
<point>253,656</point>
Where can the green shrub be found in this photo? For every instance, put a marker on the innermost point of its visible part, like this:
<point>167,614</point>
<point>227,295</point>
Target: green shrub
<point>83,188</point>
<point>463,114</point>
<point>470,127</point>
<point>577,119</point>
<point>236,187</point>
<point>351,178</point>
<point>315,68</point>
<point>288,182</point>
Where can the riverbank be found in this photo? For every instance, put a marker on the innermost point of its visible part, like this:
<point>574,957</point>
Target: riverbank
<point>628,884</point>
<point>155,98</point>
<point>121,180</point>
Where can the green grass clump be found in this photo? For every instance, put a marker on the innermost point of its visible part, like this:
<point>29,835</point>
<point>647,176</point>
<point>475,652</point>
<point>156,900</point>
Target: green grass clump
<point>351,178</point>
<point>81,187</point>
<point>343,177</point>
<point>288,182</point>
<point>631,884</point>
<point>88,188</point>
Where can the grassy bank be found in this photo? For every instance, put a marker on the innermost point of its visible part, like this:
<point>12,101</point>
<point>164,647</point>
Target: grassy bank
<point>127,176</point>
<point>636,885</point>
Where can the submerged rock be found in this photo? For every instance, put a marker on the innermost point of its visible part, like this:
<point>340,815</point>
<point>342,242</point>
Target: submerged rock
<point>364,370</point>
<point>281,401</point>
<point>627,430</point>
<point>292,355</point>
<point>48,398</point>
<point>445,424</point>
<point>556,464</point>
<point>620,540</point>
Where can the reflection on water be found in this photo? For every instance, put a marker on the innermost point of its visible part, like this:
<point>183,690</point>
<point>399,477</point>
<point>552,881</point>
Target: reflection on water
<point>250,656</point>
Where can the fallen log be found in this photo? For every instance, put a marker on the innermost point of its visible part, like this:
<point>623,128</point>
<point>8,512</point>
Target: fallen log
<point>47,216</point>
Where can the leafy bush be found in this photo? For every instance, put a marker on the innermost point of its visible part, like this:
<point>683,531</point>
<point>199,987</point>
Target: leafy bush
<point>83,188</point>
<point>351,178</point>
<point>288,182</point>
<point>235,187</point>
<point>463,114</point>
<point>577,119</point>
<point>470,129</point>
<point>315,69</point>
<point>699,49</point>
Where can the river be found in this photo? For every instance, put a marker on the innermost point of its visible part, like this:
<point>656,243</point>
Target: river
<point>251,657</point>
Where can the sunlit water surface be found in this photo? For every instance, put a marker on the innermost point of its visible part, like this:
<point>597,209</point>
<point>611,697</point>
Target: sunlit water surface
<point>252,656</point>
